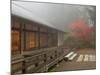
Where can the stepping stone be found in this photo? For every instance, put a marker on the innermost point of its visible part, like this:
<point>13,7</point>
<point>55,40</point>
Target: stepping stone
<point>80,58</point>
<point>92,58</point>
<point>86,58</point>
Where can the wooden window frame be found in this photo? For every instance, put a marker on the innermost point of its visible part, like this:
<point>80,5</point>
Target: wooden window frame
<point>25,30</point>
<point>19,48</point>
<point>46,40</point>
<point>29,49</point>
<point>38,31</point>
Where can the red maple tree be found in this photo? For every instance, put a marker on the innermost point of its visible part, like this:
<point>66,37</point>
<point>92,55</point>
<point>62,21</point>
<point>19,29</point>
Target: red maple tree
<point>81,30</point>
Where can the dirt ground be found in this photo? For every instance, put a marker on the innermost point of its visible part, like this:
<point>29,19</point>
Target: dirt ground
<point>73,65</point>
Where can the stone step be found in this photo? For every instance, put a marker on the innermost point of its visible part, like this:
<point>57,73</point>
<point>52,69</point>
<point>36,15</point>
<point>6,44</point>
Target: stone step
<point>69,54</point>
<point>66,58</point>
<point>73,56</point>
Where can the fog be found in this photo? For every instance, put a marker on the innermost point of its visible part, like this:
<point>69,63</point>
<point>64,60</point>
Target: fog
<point>58,16</point>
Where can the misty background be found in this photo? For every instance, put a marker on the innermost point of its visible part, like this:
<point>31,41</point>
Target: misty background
<point>78,21</point>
